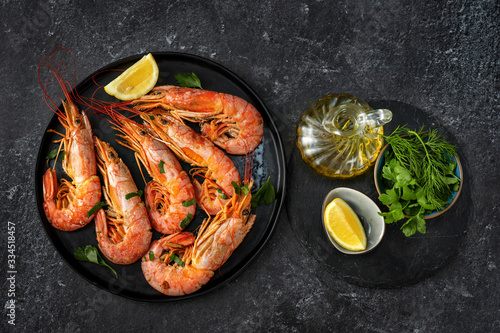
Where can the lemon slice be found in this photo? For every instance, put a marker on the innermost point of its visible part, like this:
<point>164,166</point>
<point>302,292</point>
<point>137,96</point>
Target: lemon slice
<point>136,81</point>
<point>344,226</point>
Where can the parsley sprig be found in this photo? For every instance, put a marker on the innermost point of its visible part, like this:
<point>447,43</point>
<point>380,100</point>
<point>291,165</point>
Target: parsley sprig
<point>91,254</point>
<point>265,194</point>
<point>189,80</point>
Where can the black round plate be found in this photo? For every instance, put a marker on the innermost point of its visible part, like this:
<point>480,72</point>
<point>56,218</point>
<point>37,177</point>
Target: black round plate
<point>269,161</point>
<point>398,260</point>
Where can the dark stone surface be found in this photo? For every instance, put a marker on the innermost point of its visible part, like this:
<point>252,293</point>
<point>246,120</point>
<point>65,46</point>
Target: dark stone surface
<point>441,58</point>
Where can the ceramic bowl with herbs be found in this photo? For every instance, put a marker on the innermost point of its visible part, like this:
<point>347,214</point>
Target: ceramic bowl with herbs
<point>418,175</point>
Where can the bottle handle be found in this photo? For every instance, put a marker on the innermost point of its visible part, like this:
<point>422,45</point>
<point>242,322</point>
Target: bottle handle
<point>378,117</point>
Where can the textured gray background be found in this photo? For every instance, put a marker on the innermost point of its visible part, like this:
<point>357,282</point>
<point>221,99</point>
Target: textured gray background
<point>441,58</point>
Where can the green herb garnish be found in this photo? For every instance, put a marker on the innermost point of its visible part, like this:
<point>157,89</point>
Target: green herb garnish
<point>222,194</point>
<point>94,209</point>
<point>151,255</point>
<point>160,166</point>
<point>189,80</point>
<point>265,194</point>
<point>176,259</point>
<point>237,188</point>
<point>91,254</point>
<point>134,194</point>
<point>244,189</point>
<point>52,154</point>
<point>420,174</point>
<point>186,220</point>
<point>189,202</point>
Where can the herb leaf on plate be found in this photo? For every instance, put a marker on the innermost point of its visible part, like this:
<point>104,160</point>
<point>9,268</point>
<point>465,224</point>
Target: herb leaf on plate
<point>52,154</point>
<point>91,254</point>
<point>265,194</point>
<point>188,80</point>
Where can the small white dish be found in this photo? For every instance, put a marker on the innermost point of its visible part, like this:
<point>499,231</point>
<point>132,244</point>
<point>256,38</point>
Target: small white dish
<point>367,212</point>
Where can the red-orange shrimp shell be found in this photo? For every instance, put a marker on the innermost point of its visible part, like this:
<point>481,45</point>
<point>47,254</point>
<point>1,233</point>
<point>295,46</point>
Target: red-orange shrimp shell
<point>211,162</point>
<point>217,239</point>
<point>220,235</point>
<point>123,231</point>
<point>170,196</point>
<point>169,278</point>
<point>229,121</point>
<point>66,205</point>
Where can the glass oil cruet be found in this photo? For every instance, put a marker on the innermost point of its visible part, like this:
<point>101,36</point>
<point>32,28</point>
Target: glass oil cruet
<point>339,135</point>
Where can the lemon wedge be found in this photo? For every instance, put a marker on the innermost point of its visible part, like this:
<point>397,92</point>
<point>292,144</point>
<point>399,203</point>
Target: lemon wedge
<point>136,81</point>
<point>344,226</point>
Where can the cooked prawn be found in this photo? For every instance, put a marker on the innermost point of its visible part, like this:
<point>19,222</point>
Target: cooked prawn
<point>229,121</point>
<point>170,197</point>
<point>123,231</point>
<point>198,258</point>
<point>176,279</point>
<point>67,205</point>
<point>211,163</point>
<point>220,235</point>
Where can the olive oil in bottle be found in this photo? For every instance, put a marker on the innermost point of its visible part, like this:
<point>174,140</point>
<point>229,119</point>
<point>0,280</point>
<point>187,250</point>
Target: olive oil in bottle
<point>339,135</point>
